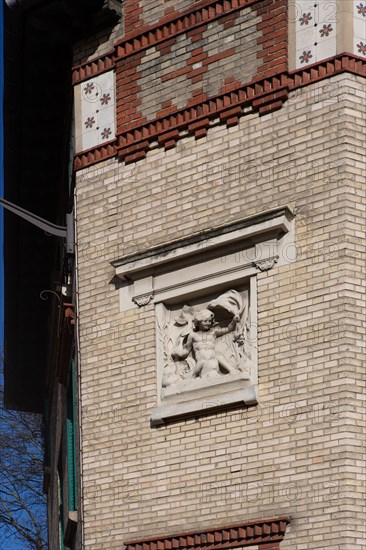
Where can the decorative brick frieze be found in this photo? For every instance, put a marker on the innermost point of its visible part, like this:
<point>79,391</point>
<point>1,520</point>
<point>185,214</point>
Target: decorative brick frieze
<point>213,48</point>
<point>159,35</point>
<point>92,68</point>
<point>267,533</point>
<point>102,152</point>
<point>179,17</point>
<point>197,62</point>
<point>273,40</point>
<point>264,96</point>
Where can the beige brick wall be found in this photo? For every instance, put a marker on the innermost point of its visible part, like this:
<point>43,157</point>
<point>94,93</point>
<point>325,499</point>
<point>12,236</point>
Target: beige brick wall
<point>300,452</point>
<point>153,10</point>
<point>101,42</point>
<point>168,76</point>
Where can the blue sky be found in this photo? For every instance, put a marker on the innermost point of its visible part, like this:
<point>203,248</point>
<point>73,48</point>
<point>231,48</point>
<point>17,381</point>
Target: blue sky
<point>1,181</point>
<point>10,544</point>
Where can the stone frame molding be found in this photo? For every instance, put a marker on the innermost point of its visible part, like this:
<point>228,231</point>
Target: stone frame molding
<point>195,398</point>
<point>206,259</point>
<point>207,263</point>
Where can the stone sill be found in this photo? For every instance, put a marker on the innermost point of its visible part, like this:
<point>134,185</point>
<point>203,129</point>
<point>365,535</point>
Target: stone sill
<point>210,403</point>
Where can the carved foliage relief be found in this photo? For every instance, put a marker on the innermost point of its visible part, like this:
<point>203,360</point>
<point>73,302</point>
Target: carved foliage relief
<point>205,343</point>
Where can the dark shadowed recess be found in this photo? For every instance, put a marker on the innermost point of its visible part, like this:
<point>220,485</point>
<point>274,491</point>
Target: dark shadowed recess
<point>38,38</point>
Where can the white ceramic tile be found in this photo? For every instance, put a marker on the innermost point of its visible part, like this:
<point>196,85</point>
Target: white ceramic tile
<point>95,100</point>
<point>316,30</point>
<point>326,48</point>
<point>327,11</point>
<point>306,17</point>
<point>359,26</point>
<point>326,39</point>
<point>305,14</point>
<point>305,56</point>
<point>304,6</point>
<point>359,9</point>
<point>305,37</point>
<point>359,46</point>
<point>326,31</point>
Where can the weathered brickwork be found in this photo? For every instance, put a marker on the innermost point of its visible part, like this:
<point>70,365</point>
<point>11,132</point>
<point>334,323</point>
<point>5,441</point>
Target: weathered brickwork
<point>184,69</point>
<point>192,68</point>
<point>300,451</point>
<point>153,11</point>
<point>140,13</point>
<point>101,43</point>
<point>265,96</point>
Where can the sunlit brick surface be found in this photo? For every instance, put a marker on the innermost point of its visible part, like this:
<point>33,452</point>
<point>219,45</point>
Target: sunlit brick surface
<point>300,452</point>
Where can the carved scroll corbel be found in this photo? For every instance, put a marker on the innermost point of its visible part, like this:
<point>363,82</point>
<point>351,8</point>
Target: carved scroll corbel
<point>267,264</point>
<point>143,299</point>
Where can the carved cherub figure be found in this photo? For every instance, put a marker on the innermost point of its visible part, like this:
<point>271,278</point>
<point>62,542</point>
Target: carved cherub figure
<point>201,342</point>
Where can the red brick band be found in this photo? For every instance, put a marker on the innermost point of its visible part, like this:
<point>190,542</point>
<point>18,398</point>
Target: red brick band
<point>267,533</point>
<point>169,27</point>
<point>94,155</point>
<point>265,96</point>
<point>195,16</point>
<point>93,68</point>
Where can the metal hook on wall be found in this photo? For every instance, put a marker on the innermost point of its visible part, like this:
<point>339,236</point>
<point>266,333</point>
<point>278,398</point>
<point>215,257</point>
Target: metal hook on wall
<point>44,296</point>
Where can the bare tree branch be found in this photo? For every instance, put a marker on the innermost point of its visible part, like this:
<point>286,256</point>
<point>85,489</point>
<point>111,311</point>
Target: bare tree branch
<point>22,503</point>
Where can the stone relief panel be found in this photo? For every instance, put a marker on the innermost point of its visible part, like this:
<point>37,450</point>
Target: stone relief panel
<point>206,351</point>
<point>205,344</point>
<point>203,291</point>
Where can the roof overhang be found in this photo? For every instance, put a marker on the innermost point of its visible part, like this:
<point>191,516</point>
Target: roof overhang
<point>38,37</point>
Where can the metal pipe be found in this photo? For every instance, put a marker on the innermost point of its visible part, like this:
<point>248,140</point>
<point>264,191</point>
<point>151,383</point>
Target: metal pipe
<point>49,227</point>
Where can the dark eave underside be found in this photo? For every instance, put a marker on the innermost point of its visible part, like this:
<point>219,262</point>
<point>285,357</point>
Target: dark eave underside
<point>37,113</point>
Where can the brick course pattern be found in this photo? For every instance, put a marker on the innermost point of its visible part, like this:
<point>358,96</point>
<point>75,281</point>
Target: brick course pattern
<point>211,54</point>
<point>154,10</point>
<point>201,61</point>
<point>267,534</point>
<point>265,96</point>
<point>192,69</point>
<point>300,452</point>
<point>211,49</point>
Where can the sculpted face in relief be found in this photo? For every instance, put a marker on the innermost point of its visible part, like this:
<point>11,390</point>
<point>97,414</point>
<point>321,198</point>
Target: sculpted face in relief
<point>207,345</point>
